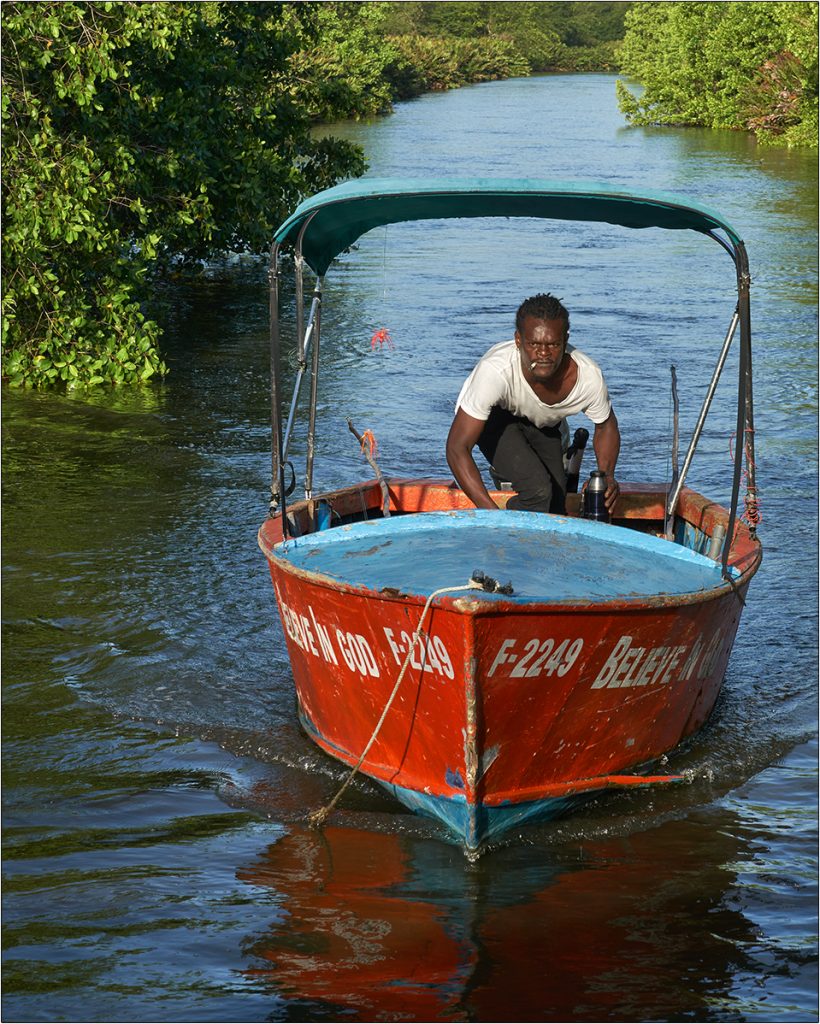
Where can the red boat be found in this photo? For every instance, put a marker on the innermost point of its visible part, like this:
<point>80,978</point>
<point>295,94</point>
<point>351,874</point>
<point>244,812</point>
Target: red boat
<point>569,655</point>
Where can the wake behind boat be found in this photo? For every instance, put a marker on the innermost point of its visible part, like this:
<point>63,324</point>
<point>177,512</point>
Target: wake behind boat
<point>489,667</point>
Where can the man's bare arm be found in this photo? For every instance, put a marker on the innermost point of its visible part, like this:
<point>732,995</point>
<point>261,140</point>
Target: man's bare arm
<point>607,444</point>
<point>463,437</point>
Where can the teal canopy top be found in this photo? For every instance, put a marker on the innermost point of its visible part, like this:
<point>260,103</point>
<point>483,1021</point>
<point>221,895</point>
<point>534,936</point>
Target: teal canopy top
<point>335,218</point>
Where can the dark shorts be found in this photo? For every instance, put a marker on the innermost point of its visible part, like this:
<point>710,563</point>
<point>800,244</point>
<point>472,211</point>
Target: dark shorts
<point>529,457</point>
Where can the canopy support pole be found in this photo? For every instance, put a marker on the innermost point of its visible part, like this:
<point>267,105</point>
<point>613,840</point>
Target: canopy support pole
<point>303,347</point>
<point>744,437</point>
<point>749,437</point>
<point>704,412</point>
<point>299,269</point>
<point>669,525</point>
<point>316,316</point>
<point>277,499</point>
<point>279,447</point>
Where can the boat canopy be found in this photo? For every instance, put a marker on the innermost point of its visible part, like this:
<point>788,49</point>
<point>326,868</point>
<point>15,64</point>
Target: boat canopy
<point>334,219</point>
<point>331,221</point>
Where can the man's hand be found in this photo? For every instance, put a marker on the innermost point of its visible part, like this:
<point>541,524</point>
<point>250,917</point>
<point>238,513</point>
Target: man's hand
<point>612,492</point>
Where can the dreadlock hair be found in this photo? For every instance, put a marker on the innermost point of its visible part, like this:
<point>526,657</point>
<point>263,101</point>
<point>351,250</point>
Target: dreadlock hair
<point>543,307</point>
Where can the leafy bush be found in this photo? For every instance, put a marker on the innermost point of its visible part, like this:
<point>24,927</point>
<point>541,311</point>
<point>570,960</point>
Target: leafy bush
<point>349,69</point>
<point>724,65</point>
<point>601,57</point>
<point>550,36</point>
<point>449,63</point>
<point>140,136</point>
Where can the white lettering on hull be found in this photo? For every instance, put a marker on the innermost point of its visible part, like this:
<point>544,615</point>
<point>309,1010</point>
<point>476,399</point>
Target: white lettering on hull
<point>539,657</point>
<point>428,653</point>
<point>629,665</point>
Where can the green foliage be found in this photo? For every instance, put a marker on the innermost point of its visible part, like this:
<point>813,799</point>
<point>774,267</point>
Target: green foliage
<point>141,138</point>
<point>604,56</point>
<point>348,70</point>
<point>523,23</point>
<point>724,65</point>
<point>585,23</point>
<point>550,36</point>
<point>461,20</point>
<point>446,64</point>
<point>137,137</point>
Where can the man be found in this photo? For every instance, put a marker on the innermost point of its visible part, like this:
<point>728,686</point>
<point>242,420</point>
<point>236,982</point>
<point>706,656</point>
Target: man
<point>512,405</point>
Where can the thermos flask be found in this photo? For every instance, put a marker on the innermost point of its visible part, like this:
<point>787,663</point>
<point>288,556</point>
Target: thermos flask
<point>594,506</point>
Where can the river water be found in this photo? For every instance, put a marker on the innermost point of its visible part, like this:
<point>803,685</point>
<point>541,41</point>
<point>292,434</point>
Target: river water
<point>158,866</point>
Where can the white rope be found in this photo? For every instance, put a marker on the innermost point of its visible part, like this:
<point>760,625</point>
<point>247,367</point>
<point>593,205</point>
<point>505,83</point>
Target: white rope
<point>318,817</point>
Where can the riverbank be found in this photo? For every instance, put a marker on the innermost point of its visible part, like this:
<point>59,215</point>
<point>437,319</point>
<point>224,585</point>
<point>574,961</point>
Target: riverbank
<point>433,64</point>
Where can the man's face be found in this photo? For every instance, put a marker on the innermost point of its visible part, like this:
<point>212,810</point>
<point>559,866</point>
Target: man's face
<point>542,344</point>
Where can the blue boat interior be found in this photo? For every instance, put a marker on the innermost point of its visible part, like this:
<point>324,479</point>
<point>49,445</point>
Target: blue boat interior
<point>543,557</point>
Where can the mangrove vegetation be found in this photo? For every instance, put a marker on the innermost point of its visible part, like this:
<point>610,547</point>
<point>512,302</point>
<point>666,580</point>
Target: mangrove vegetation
<point>142,139</point>
<point>749,66</point>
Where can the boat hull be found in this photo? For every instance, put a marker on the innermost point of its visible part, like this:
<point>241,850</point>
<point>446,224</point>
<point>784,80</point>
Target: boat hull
<point>507,711</point>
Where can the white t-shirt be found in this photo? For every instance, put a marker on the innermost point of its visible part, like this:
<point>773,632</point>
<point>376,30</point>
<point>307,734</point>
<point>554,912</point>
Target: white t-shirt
<point>498,380</point>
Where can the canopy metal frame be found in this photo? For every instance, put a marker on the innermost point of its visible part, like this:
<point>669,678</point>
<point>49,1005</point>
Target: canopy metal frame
<point>380,202</point>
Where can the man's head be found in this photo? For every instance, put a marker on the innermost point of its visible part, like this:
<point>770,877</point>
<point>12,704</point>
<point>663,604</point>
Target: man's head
<point>541,333</point>
<point>543,307</point>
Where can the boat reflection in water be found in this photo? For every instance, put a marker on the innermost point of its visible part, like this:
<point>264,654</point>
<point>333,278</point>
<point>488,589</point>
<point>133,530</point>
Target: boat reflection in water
<point>353,937</point>
<point>390,927</point>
